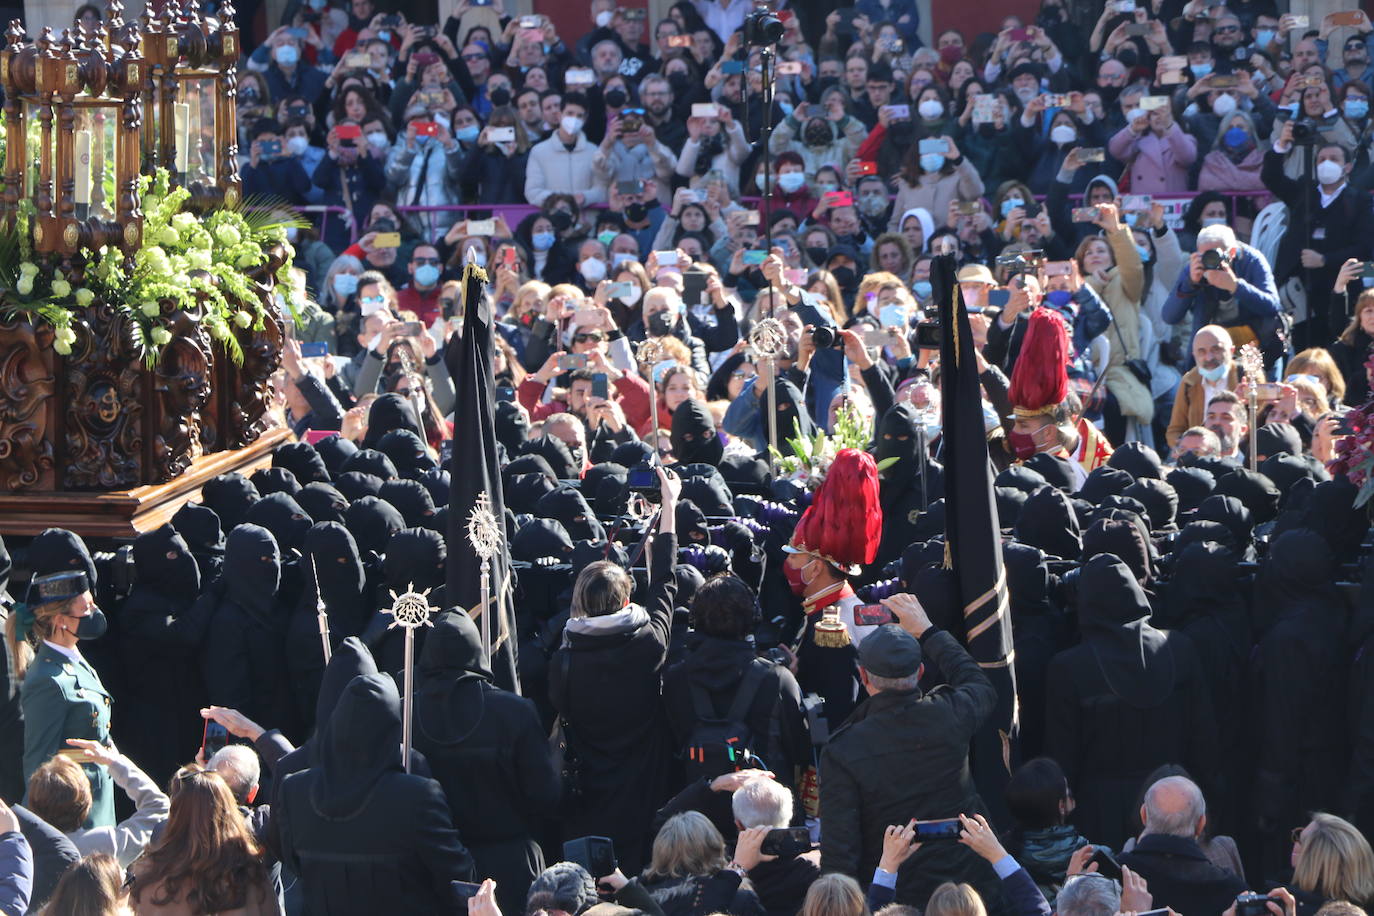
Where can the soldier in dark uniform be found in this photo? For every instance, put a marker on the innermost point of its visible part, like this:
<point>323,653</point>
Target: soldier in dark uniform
<point>62,696</point>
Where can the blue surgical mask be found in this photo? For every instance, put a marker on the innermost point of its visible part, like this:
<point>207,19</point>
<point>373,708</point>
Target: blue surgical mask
<point>791,182</point>
<point>1010,204</point>
<point>1059,298</point>
<point>1235,137</point>
<point>1201,70</point>
<point>345,285</point>
<point>467,134</point>
<point>543,241</point>
<point>1214,375</point>
<point>932,162</point>
<point>825,187</point>
<point>922,289</point>
<point>426,275</point>
<point>1292,109</point>
<point>1145,253</point>
<point>422,140</point>
<point>1356,108</point>
<point>1264,37</point>
<point>286,55</point>
<point>1132,218</point>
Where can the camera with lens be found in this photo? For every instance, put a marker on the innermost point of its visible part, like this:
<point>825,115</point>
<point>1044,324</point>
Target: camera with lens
<point>631,124</point>
<point>1252,905</point>
<point>929,335</point>
<point>761,27</point>
<point>827,338</point>
<point>1214,259</point>
<point>643,479</point>
<point>1304,133</point>
<point>1021,262</point>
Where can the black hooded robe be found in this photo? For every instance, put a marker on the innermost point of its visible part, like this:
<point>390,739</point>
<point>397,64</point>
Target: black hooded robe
<point>489,752</point>
<point>1126,700</point>
<point>364,836</point>
<point>901,435</point>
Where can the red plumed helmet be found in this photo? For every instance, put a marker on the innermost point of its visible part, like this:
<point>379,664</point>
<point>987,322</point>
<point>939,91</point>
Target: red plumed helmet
<point>844,522</point>
<point>1040,378</point>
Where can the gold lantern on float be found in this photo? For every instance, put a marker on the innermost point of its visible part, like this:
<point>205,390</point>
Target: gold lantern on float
<point>72,114</point>
<point>192,87</point>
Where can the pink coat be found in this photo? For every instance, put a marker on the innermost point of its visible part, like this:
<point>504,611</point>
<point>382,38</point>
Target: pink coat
<point>1156,165</point>
<point>1219,173</point>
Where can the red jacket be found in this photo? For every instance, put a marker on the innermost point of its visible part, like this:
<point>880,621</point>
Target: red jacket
<point>631,391</point>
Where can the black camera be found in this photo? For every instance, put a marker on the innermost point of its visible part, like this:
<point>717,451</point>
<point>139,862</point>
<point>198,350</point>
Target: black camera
<point>929,335</point>
<point>1214,259</point>
<point>761,27</point>
<point>643,479</point>
<point>1021,262</point>
<point>1252,905</point>
<point>826,337</point>
<point>1304,133</point>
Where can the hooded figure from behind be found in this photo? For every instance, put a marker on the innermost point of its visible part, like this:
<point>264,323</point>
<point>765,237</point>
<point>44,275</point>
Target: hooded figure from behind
<point>201,528</point>
<point>245,653</point>
<point>163,623</point>
<point>364,836</point>
<point>489,752</point>
<point>901,435</point>
<point>1297,678</point>
<point>1126,700</point>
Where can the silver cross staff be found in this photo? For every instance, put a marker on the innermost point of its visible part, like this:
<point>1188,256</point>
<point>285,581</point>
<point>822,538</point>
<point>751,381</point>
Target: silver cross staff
<point>769,340</point>
<point>409,609</point>
<point>484,534</point>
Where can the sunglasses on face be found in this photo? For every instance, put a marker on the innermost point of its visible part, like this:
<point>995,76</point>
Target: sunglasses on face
<point>474,57</point>
<point>584,338</point>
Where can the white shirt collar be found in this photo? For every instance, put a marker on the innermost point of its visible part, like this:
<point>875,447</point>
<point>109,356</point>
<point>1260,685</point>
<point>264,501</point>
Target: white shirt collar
<point>1327,198</point>
<point>70,653</point>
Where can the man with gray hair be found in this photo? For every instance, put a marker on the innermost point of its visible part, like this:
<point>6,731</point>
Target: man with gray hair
<point>1228,283</point>
<point>238,766</point>
<point>1167,854</point>
<point>762,806</point>
<point>1088,894</point>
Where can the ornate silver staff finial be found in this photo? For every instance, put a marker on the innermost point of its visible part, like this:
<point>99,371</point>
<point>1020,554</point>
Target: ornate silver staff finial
<point>769,339</point>
<point>321,611</point>
<point>409,610</point>
<point>648,353</point>
<point>485,536</point>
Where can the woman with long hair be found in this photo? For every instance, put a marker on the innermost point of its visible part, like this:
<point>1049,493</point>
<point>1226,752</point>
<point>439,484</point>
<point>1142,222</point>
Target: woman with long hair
<point>1352,348</point>
<point>1331,861</point>
<point>835,895</point>
<point>687,871</point>
<point>93,886</point>
<point>205,860</point>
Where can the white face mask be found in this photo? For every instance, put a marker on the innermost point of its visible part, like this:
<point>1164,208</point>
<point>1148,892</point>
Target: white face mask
<point>377,138</point>
<point>297,145</point>
<point>930,109</point>
<point>593,270</point>
<point>1063,134</point>
<point>603,19</point>
<point>1224,104</point>
<point>1329,172</point>
<point>570,124</point>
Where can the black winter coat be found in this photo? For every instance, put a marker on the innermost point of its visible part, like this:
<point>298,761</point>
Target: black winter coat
<point>1180,875</point>
<point>607,688</point>
<point>904,754</point>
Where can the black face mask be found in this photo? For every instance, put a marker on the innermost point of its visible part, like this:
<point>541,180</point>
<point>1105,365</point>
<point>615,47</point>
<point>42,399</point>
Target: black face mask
<point>660,324</point>
<point>1128,56</point>
<point>616,98</point>
<point>816,254</point>
<point>636,213</point>
<point>817,133</point>
<point>93,625</point>
<point>500,97</point>
<point>678,81</point>
<point>825,83</point>
<point>845,277</point>
<point>562,220</point>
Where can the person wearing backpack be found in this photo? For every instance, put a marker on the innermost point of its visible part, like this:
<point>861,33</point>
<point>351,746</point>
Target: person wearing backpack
<point>605,682</point>
<point>722,699</point>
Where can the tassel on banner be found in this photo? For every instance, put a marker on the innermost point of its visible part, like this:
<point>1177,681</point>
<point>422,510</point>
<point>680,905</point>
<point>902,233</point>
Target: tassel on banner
<point>831,633</point>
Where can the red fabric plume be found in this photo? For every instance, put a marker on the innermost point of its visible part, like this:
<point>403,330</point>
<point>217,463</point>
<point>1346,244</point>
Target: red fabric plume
<point>844,523</point>
<point>1040,377</point>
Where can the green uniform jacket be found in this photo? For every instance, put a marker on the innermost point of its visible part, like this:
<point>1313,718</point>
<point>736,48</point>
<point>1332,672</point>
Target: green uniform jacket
<point>64,699</point>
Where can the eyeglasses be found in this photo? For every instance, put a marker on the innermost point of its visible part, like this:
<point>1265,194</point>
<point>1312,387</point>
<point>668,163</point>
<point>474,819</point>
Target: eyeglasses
<point>474,57</point>
<point>373,300</point>
<point>434,261</point>
<point>1227,28</point>
<point>743,374</point>
<point>594,337</point>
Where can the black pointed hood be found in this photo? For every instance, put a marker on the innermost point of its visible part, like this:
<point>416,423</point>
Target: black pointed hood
<point>415,559</point>
<point>1191,486</point>
<point>303,460</point>
<point>334,451</point>
<point>1022,478</point>
<point>1206,584</point>
<point>1113,615</point>
<point>528,464</point>
<point>1297,582</point>
<point>201,528</point>
<point>1124,540</point>
<point>360,744</point>
<point>231,496</point>
<point>900,435</point>
<point>1048,521</point>
<point>541,538</point>
<point>451,668</point>
<point>439,483</point>
<point>555,453</point>
<point>1138,460</point>
<point>407,451</point>
<point>333,559</point>
<point>284,517</point>
<point>164,563</point>
<point>252,571</point>
<point>322,502</point>
<point>354,485</point>
<point>388,412</point>
<point>523,492</point>
<point>1057,471</point>
<point>371,461</point>
<point>1255,491</point>
<point>694,435</point>
<point>1103,482</point>
<point>567,506</point>
<point>349,659</point>
<point>372,522</point>
<point>412,500</point>
<point>1230,512</point>
<point>512,425</point>
<point>1159,500</point>
<point>275,480</point>
<point>59,550</point>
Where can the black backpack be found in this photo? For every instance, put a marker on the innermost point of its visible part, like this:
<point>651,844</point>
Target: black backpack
<point>719,745</point>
